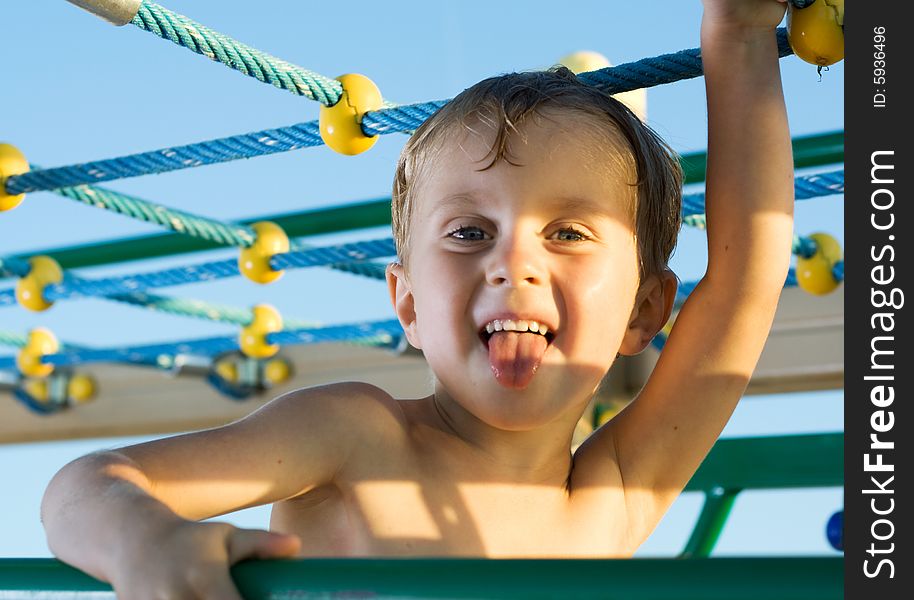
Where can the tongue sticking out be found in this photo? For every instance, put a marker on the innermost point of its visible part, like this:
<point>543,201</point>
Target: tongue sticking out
<point>515,357</point>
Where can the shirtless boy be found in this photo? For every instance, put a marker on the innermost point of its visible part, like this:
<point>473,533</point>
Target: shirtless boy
<point>529,198</point>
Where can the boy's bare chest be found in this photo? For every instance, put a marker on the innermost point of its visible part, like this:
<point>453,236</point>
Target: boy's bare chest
<point>419,515</point>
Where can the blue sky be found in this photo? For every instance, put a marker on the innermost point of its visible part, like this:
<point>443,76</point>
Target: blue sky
<point>79,89</point>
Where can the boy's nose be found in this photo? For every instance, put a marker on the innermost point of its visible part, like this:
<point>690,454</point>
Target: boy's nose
<point>515,262</point>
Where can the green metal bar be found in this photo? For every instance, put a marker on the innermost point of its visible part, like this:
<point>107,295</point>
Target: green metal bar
<point>775,462</point>
<point>372,213</point>
<point>710,524</point>
<point>813,150</point>
<point>807,578</point>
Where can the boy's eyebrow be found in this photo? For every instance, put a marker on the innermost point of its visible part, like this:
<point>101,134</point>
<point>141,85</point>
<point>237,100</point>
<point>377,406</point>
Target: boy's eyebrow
<point>571,204</point>
<point>459,201</point>
<point>589,206</point>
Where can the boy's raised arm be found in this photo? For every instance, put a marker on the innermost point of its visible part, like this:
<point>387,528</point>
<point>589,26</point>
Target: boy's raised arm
<point>660,439</point>
<point>104,512</point>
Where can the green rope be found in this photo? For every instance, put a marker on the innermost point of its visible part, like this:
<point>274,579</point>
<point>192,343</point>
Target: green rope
<point>15,340</point>
<point>175,220</point>
<point>250,61</point>
<point>201,310</point>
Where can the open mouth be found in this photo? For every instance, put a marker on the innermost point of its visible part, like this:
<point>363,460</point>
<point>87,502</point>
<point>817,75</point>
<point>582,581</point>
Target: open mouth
<point>486,333</point>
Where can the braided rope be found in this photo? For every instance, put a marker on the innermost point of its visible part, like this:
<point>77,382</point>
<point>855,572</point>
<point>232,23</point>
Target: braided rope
<point>682,65</point>
<point>258,143</point>
<point>16,340</point>
<point>301,258</point>
<point>225,234</point>
<point>201,310</point>
<point>659,70</point>
<point>11,266</point>
<point>185,32</point>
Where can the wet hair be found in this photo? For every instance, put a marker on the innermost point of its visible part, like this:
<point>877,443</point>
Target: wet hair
<point>502,103</point>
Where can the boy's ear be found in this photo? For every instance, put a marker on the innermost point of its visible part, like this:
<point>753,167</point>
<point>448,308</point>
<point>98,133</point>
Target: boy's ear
<point>401,295</point>
<point>653,306</point>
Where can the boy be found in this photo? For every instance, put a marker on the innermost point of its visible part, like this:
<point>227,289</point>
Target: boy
<point>534,219</point>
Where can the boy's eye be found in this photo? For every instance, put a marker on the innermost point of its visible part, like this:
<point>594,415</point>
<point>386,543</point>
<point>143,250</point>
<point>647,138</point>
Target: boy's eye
<point>470,234</point>
<point>570,234</point>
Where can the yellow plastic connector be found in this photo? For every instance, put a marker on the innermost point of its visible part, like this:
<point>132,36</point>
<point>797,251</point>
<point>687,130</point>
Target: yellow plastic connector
<point>12,162</point>
<point>30,289</point>
<point>253,338</point>
<point>40,342</point>
<point>816,33</point>
<point>341,124</point>
<point>254,262</point>
<point>814,274</point>
<point>81,388</point>
<point>277,370</point>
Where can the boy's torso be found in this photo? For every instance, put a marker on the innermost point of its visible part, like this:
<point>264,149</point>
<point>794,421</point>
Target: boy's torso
<point>419,492</point>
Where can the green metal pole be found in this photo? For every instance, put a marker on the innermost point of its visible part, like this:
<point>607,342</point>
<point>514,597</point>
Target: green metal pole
<point>710,524</point>
<point>813,150</point>
<point>806,578</point>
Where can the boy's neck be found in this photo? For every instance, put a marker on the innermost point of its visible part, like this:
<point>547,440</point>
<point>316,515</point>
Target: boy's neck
<point>538,457</point>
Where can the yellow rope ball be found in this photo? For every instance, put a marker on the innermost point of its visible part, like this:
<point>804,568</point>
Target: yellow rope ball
<point>45,271</point>
<point>12,162</point>
<point>816,33</point>
<point>81,388</point>
<point>341,124</point>
<point>40,342</point>
<point>253,338</point>
<point>814,274</point>
<point>254,262</point>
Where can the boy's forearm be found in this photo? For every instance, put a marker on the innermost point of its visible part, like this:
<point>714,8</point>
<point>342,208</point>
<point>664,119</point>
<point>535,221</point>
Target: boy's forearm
<point>750,164</point>
<point>95,507</point>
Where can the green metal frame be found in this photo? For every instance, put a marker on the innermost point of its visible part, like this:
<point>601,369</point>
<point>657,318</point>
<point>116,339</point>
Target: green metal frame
<point>808,151</point>
<point>738,464</point>
<point>808,578</point>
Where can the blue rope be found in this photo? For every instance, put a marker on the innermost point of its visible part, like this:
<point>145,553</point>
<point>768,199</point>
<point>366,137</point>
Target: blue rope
<point>383,333</point>
<point>659,70</point>
<point>643,73</point>
<point>10,266</point>
<point>211,271</point>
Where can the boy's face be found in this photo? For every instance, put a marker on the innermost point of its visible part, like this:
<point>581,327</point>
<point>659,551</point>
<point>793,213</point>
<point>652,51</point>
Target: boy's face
<point>550,240</point>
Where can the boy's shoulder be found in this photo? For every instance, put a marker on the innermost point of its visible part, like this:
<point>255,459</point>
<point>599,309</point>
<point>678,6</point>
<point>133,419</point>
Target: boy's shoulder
<point>353,404</point>
<point>352,415</point>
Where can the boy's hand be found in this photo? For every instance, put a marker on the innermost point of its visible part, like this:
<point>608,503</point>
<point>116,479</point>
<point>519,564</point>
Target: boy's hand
<point>743,14</point>
<point>192,560</point>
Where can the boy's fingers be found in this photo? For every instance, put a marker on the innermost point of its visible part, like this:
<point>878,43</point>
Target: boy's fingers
<point>253,543</point>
